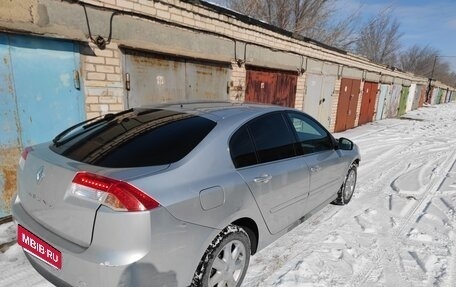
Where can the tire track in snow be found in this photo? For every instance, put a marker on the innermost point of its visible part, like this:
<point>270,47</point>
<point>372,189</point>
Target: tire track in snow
<point>364,274</point>
<point>446,203</point>
<point>452,264</point>
<point>401,155</point>
<point>294,250</point>
<point>376,182</point>
<point>405,224</point>
<point>430,193</point>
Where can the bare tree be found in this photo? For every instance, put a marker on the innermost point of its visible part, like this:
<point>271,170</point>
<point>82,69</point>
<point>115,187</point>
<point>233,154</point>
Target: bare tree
<point>379,38</point>
<point>341,34</point>
<point>443,72</point>
<point>427,62</point>
<point>310,18</point>
<point>418,60</point>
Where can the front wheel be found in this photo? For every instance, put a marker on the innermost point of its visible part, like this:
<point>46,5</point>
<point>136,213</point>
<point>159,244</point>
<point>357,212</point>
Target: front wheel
<point>348,187</point>
<point>225,261</point>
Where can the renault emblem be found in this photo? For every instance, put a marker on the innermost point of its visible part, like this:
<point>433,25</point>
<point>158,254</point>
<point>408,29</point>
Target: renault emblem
<point>39,174</point>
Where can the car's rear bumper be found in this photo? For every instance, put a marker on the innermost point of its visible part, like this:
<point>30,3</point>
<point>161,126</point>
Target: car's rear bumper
<point>127,249</point>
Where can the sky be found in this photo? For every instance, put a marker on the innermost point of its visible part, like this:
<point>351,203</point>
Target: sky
<point>423,22</point>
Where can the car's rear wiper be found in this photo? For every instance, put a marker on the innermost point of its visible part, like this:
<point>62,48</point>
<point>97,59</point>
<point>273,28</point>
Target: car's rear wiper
<point>87,124</point>
<point>107,118</point>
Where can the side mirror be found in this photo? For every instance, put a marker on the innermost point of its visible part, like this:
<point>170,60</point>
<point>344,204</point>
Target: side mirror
<point>345,144</point>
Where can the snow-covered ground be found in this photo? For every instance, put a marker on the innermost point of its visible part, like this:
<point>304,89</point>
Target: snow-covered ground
<point>398,230</point>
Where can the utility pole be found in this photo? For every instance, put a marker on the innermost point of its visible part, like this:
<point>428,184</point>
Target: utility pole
<point>429,88</point>
<point>428,92</point>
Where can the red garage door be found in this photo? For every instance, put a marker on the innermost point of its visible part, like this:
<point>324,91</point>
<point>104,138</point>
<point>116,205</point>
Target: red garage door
<point>348,102</point>
<point>271,87</point>
<point>368,102</point>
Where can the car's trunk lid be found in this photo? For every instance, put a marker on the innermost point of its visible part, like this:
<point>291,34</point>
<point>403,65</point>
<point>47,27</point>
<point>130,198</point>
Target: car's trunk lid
<point>44,184</point>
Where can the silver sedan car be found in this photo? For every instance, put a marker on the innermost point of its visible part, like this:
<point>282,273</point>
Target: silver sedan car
<point>175,195</point>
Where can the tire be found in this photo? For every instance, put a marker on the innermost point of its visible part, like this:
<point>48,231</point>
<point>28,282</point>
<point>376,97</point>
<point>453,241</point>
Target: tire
<point>348,187</point>
<point>225,262</point>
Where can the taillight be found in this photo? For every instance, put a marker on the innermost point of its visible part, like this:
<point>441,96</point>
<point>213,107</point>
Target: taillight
<point>24,155</point>
<point>116,194</point>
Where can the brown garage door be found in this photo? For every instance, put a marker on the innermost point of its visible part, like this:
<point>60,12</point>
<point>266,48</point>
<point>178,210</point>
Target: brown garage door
<point>422,96</point>
<point>368,102</point>
<point>347,104</point>
<point>271,87</point>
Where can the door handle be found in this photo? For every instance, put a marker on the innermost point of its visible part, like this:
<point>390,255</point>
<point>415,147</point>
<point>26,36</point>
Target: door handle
<point>76,80</point>
<point>315,169</point>
<point>265,178</point>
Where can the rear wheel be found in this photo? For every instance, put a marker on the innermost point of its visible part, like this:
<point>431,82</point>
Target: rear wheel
<point>225,261</point>
<point>348,187</point>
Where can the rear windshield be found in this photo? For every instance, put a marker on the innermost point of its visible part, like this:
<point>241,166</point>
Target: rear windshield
<point>137,138</point>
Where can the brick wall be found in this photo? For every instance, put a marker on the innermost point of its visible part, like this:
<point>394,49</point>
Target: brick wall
<point>197,16</point>
<point>102,69</point>
<point>360,99</point>
<point>335,103</point>
<point>103,75</point>
<point>300,92</point>
<point>376,102</point>
<point>103,85</point>
<point>237,84</point>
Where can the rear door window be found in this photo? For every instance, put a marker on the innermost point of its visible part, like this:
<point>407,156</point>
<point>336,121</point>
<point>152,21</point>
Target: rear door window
<point>242,149</point>
<point>272,138</point>
<point>264,139</point>
<point>140,138</point>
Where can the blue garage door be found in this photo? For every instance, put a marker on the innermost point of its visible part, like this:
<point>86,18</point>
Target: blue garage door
<point>38,98</point>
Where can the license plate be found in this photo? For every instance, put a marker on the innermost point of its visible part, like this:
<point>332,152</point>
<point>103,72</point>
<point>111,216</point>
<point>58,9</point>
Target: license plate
<point>36,246</point>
